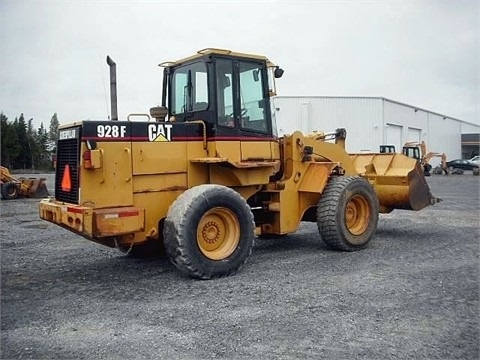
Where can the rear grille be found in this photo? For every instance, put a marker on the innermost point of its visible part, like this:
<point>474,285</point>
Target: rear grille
<point>68,153</point>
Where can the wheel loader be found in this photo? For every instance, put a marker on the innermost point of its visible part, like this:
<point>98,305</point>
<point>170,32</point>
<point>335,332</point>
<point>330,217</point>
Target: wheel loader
<point>207,174</point>
<point>13,188</point>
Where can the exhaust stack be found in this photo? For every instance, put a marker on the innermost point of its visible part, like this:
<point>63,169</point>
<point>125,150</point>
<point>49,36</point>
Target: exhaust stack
<point>113,88</point>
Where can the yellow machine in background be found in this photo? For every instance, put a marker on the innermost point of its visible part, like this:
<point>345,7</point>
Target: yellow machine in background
<point>418,150</point>
<point>209,173</point>
<point>12,188</point>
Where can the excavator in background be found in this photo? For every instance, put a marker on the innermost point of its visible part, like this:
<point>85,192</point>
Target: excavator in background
<point>13,188</point>
<point>418,150</point>
<point>208,173</point>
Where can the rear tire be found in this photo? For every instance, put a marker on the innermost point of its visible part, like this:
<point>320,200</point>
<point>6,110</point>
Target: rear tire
<point>347,213</point>
<point>426,169</point>
<point>10,191</point>
<point>209,232</point>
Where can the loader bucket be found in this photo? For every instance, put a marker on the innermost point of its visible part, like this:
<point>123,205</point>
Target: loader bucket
<point>34,188</point>
<point>398,181</point>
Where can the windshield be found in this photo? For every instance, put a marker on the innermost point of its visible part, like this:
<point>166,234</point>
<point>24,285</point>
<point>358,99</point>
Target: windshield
<point>189,88</point>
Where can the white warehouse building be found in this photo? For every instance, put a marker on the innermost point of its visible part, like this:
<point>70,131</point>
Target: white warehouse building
<point>374,121</point>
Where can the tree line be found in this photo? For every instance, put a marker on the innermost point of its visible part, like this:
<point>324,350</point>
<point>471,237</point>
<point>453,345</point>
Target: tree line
<point>26,148</point>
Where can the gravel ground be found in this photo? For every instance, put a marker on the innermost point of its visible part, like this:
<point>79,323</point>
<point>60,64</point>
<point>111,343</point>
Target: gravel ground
<point>412,294</point>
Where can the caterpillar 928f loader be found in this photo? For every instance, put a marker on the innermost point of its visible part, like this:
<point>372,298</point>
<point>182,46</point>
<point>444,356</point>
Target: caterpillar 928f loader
<point>207,174</point>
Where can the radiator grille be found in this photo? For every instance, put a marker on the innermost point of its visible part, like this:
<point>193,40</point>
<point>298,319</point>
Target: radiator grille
<point>68,152</point>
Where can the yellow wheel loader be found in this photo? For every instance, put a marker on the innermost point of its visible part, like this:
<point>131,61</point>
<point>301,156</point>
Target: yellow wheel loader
<point>13,188</point>
<point>208,173</point>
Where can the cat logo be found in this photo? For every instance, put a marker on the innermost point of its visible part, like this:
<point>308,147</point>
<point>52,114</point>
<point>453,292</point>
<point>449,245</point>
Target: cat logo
<point>160,132</point>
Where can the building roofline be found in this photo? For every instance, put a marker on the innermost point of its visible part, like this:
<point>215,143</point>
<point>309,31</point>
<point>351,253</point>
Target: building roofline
<point>379,98</point>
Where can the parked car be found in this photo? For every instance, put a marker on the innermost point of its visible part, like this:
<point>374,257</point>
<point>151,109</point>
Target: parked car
<point>475,159</point>
<point>462,164</point>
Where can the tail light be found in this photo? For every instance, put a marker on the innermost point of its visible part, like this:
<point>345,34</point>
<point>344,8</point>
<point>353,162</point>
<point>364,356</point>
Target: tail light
<point>87,160</point>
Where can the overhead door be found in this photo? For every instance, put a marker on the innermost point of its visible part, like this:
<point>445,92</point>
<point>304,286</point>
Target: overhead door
<point>414,134</point>
<point>393,136</point>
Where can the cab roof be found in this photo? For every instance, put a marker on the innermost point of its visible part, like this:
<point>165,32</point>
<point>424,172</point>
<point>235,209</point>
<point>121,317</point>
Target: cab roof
<point>213,51</point>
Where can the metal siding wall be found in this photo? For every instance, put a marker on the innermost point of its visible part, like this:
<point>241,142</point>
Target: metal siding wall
<point>288,113</point>
<point>362,117</point>
<point>444,136</point>
<point>393,136</point>
<point>414,134</point>
<point>469,128</point>
<point>365,120</point>
<point>414,122</point>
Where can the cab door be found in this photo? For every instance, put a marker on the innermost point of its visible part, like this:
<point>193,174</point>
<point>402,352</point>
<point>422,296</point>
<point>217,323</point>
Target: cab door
<point>253,112</point>
<point>244,126</point>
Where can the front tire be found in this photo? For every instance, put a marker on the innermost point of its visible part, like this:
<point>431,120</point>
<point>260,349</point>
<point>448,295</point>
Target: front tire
<point>209,232</point>
<point>10,191</point>
<point>347,213</point>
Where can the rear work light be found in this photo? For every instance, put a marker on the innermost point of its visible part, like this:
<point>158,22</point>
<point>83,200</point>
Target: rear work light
<point>92,159</point>
<point>87,160</point>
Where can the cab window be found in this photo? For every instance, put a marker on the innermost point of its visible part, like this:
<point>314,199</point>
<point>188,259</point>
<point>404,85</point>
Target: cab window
<point>224,90</point>
<point>252,97</point>
<point>190,89</point>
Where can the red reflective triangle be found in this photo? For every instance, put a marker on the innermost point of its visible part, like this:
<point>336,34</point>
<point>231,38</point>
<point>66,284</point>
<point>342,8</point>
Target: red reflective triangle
<point>66,180</point>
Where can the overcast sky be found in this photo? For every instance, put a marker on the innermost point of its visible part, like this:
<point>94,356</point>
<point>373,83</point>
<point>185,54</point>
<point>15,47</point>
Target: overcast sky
<point>423,53</point>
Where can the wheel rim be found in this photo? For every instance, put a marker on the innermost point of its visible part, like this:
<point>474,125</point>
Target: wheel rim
<point>357,215</point>
<point>218,233</point>
<point>12,191</point>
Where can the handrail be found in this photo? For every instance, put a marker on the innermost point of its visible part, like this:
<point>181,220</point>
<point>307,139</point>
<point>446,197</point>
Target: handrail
<point>127,150</point>
<point>138,114</point>
<point>204,127</point>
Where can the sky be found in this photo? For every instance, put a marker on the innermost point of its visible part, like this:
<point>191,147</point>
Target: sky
<point>52,53</point>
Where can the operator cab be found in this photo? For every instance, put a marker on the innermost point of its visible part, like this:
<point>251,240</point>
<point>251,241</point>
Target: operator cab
<point>229,91</point>
<point>387,149</point>
<point>412,151</point>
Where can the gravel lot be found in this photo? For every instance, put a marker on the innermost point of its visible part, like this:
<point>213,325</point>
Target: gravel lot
<point>412,294</point>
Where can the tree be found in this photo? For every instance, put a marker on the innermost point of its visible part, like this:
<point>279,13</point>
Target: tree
<point>53,130</point>
<point>23,146</point>
<point>42,155</point>
<point>10,144</point>
<point>23,160</point>
<point>32,146</point>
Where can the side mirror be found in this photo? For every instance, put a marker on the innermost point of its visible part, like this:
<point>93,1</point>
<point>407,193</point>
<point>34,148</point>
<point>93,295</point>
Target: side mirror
<point>278,72</point>
<point>226,81</point>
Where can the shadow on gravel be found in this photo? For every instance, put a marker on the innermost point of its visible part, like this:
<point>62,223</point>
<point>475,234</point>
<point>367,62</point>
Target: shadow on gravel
<point>289,243</point>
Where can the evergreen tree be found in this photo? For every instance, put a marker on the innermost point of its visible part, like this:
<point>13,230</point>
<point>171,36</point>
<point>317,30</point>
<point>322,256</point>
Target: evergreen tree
<point>23,160</point>
<point>42,156</point>
<point>23,146</point>
<point>10,146</point>
<point>32,145</point>
<point>53,131</point>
